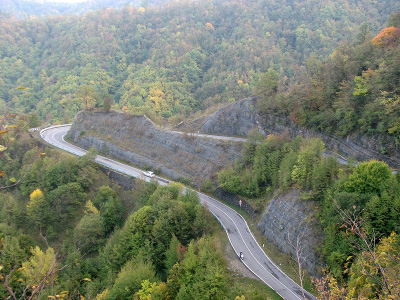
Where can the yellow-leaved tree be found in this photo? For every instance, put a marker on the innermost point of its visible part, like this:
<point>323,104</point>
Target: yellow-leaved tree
<point>36,207</point>
<point>42,266</point>
<point>376,273</point>
<point>91,209</point>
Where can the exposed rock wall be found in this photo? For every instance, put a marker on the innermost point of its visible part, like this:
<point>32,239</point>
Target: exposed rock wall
<point>127,182</point>
<point>137,140</point>
<point>238,118</point>
<point>288,218</point>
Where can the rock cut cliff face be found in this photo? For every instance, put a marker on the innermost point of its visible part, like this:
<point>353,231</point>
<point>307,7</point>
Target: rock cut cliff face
<point>137,140</point>
<point>290,223</point>
<point>236,119</point>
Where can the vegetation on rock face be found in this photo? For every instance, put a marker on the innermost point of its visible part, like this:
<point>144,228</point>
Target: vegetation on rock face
<point>169,61</point>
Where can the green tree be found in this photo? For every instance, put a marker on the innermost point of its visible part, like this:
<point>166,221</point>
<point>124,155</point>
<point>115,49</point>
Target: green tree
<point>369,177</point>
<point>64,203</point>
<point>201,275</point>
<point>89,233</point>
<point>34,120</point>
<point>394,19</point>
<point>364,33</point>
<point>59,173</point>
<point>171,255</point>
<point>266,88</point>
<point>130,278</point>
<point>110,206</point>
<point>381,214</point>
<point>130,239</point>
<point>311,153</point>
<point>229,180</point>
<point>87,95</point>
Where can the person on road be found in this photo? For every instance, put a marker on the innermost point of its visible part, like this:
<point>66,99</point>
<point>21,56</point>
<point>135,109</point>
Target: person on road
<point>241,255</point>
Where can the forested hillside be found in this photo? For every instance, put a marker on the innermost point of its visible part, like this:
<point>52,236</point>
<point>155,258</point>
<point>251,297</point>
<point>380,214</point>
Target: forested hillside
<point>355,89</point>
<point>153,242</point>
<point>22,9</point>
<point>171,61</point>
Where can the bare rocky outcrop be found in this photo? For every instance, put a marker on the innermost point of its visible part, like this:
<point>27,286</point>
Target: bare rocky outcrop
<point>288,218</point>
<point>137,140</point>
<point>238,119</point>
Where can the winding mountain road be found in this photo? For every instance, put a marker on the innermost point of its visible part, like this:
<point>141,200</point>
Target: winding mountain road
<point>239,234</point>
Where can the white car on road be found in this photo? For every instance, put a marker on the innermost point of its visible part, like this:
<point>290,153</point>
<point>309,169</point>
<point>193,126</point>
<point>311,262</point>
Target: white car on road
<point>148,174</point>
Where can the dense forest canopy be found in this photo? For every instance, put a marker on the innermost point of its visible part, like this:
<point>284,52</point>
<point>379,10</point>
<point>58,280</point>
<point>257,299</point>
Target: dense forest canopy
<point>23,9</point>
<point>170,61</point>
<point>355,89</point>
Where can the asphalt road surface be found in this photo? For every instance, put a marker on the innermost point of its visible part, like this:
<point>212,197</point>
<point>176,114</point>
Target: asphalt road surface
<point>239,234</point>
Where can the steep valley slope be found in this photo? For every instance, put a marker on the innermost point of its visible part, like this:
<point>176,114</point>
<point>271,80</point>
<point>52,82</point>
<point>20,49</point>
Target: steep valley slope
<point>286,218</point>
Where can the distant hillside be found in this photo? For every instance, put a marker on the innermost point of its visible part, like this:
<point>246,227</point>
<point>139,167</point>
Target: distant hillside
<point>169,61</point>
<point>31,8</point>
<point>354,90</point>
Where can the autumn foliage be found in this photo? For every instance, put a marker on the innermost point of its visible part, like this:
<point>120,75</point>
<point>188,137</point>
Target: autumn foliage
<point>387,37</point>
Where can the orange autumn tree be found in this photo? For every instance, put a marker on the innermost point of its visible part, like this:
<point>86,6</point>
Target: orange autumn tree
<point>387,37</point>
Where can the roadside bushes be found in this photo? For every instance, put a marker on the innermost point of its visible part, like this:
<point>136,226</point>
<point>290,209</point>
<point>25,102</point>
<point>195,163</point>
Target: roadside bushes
<point>279,163</point>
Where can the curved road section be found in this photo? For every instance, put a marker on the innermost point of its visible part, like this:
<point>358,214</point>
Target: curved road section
<point>239,234</point>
